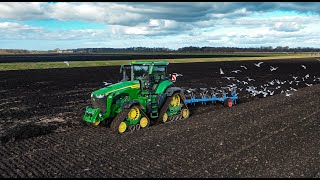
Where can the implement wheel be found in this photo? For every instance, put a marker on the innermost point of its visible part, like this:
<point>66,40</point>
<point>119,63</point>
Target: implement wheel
<point>228,102</point>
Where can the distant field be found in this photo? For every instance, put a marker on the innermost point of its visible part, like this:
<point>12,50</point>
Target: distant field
<point>46,65</point>
<point>57,57</point>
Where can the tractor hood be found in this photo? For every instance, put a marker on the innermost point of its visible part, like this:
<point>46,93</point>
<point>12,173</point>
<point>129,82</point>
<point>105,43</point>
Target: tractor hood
<point>115,87</point>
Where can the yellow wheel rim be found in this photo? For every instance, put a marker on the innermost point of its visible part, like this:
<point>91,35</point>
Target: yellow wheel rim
<point>143,122</point>
<point>96,123</point>
<point>165,117</point>
<point>185,113</point>
<point>134,113</point>
<point>175,100</point>
<point>122,127</point>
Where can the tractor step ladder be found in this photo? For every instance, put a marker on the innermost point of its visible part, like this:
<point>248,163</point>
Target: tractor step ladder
<point>154,107</point>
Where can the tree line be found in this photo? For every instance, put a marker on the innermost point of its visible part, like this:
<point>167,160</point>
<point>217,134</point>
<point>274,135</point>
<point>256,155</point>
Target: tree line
<point>190,49</point>
<point>193,49</point>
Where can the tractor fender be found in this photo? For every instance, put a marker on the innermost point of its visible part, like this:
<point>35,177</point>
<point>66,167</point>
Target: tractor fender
<point>129,104</point>
<point>171,90</point>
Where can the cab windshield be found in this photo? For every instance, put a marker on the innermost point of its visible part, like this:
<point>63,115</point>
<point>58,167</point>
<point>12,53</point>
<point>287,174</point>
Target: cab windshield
<point>140,71</point>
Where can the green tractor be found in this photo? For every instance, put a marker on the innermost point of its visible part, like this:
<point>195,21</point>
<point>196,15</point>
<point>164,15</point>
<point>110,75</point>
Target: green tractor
<point>145,95</point>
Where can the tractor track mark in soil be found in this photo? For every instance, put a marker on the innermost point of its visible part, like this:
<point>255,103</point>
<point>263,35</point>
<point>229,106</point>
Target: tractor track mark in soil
<point>27,131</point>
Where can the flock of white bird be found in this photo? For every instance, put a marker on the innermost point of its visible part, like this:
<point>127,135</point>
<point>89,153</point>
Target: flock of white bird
<point>267,89</point>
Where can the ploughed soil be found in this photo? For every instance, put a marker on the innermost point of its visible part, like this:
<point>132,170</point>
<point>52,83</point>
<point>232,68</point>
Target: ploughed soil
<point>274,134</point>
<point>7,58</point>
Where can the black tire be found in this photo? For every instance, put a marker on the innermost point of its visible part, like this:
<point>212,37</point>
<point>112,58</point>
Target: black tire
<point>226,102</point>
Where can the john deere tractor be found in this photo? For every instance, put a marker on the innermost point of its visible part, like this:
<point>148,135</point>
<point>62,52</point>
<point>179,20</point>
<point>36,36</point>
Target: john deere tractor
<point>144,95</point>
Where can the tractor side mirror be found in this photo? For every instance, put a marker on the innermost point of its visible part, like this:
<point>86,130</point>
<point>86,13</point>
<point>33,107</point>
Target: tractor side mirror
<point>121,68</point>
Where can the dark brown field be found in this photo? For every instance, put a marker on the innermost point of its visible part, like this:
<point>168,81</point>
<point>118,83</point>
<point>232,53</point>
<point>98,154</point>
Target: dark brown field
<point>42,132</point>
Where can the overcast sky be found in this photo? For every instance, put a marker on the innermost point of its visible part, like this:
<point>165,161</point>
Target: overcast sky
<point>64,25</point>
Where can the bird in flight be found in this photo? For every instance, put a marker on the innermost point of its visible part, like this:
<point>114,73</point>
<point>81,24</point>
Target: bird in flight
<point>106,83</point>
<point>287,94</point>
<point>228,77</point>
<point>243,67</point>
<point>273,68</point>
<point>258,64</point>
<point>304,67</point>
<point>67,63</point>
<point>250,79</point>
<point>309,84</point>
<point>236,71</point>
<point>221,72</point>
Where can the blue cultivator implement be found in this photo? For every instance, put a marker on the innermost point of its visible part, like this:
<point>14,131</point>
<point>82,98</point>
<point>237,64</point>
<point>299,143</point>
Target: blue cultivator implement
<point>228,101</point>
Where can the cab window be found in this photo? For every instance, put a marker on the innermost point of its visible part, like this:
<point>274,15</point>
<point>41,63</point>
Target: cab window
<point>139,71</point>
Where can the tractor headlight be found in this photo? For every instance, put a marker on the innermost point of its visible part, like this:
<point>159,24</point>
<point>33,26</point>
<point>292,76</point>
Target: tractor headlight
<point>100,96</point>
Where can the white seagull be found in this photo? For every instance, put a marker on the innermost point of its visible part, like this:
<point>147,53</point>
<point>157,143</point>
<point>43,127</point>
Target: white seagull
<point>273,68</point>
<point>304,67</point>
<point>258,64</point>
<point>66,62</point>
<point>243,67</point>
<point>221,72</point>
<point>228,77</point>
<point>106,83</point>
<point>236,71</point>
<point>309,84</point>
<point>287,94</point>
<point>250,79</point>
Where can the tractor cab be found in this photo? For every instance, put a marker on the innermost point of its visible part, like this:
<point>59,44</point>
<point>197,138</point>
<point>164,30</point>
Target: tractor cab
<point>149,74</point>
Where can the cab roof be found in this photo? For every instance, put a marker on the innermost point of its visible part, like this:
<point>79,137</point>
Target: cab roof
<point>148,63</point>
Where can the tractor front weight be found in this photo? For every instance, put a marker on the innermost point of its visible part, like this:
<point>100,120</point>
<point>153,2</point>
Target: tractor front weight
<point>92,115</point>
